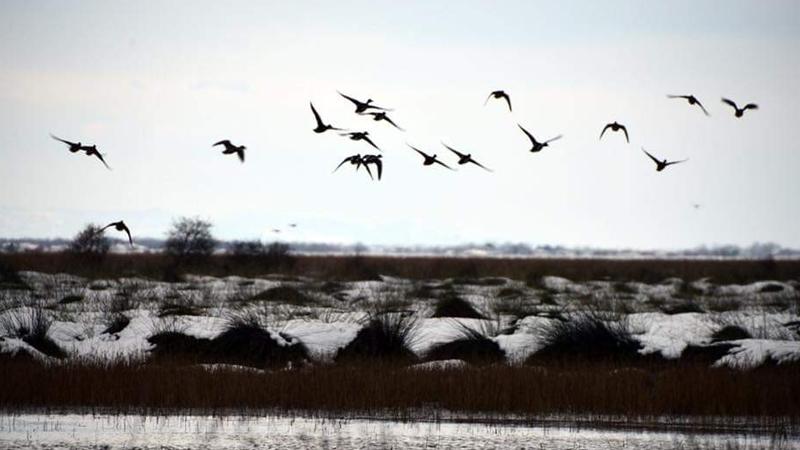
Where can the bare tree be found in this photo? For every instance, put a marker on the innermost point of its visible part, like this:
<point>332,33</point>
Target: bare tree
<point>190,240</point>
<point>90,243</point>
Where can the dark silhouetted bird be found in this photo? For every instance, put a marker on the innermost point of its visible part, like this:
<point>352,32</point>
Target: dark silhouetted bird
<point>361,136</point>
<point>499,94</point>
<point>293,225</point>
<point>739,111</point>
<point>538,146</point>
<point>91,150</point>
<point>616,127</point>
<point>119,226</point>
<point>382,116</point>
<point>355,160</point>
<point>464,158</point>
<point>321,127</point>
<point>692,101</point>
<point>428,158</point>
<point>662,164</point>
<point>74,147</point>
<point>361,107</point>
<point>373,159</point>
<point>230,149</point>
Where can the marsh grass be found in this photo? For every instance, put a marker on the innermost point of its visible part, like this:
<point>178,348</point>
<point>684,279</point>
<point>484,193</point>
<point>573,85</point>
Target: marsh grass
<point>386,336</point>
<point>31,325</point>
<point>580,388</point>
<point>475,344</point>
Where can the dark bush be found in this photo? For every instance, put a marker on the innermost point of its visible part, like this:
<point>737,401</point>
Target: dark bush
<point>705,354</point>
<point>9,277</point>
<point>70,299</point>
<point>730,333</point>
<point>90,244</point>
<point>589,336</point>
<point>32,325</point>
<point>681,308</point>
<point>283,294</point>
<point>118,323</point>
<point>386,337</point>
<point>474,346</point>
<point>771,287</point>
<point>274,256</point>
<point>454,306</point>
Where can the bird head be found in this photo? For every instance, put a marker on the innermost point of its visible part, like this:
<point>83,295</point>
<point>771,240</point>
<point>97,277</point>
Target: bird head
<point>369,100</point>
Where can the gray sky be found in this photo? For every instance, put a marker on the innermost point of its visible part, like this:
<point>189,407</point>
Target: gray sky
<point>155,84</point>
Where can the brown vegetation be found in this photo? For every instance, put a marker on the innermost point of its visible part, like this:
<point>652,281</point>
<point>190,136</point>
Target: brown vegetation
<point>366,267</point>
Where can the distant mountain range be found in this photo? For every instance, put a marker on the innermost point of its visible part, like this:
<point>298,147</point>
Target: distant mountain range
<point>520,250</point>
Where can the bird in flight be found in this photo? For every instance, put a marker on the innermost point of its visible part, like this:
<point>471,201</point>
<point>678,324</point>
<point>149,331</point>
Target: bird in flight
<point>378,116</point>
<point>538,146</point>
<point>499,94</point>
<point>662,164</point>
<point>739,111</point>
<point>361,136</point>
<point>230,149</point>
<point>90,150</point>
<point>616,127</point>
<point>692,101</point>
<point>355,160</point>
<point>373,159</point>
<point>464,158</point>
<point>119,226</point>
<point>361,107</point>
<point>322,127</point>
<point>428,158</point>
<point>293,225</point>
<point>74,147</point>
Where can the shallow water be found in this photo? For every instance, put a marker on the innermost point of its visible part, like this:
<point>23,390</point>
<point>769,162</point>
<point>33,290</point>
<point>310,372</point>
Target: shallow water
<point>74,431</point>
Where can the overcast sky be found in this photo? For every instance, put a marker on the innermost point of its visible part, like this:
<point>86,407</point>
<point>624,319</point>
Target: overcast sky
<point>154,84</point>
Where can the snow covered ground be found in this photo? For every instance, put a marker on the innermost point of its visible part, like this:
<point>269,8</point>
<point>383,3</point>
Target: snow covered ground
<point>325,316</point>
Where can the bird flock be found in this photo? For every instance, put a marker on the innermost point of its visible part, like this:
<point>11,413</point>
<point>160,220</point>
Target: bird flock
<point>379,114</point>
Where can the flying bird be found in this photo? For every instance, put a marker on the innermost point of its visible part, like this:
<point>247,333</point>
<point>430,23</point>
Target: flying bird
<point>662,164</point>
<point>361,107</point>
<point>616,127</point>
<point>355,160</point>
<point>119,226</point>
<point>499,94</point>
<point>428,158</point>
<point>692,101</point>
<point>378,116</point>
<point>361,136</point>
<point>464,158</point>
<point>74,147</point>
<point>739,111</point>
<point>322,127</point>
<point>538,146</point>
<point>373,159</point>
<point>230,149</point>
<point>91,150</point>
<point>293,225</point>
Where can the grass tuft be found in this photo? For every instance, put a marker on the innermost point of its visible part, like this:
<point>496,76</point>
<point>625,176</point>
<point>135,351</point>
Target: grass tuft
<point>386,337</point>
<point>451,305</point>
<point>31,325</point>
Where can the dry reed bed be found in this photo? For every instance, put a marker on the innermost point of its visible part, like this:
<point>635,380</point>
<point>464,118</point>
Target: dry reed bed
<point>566,387</point>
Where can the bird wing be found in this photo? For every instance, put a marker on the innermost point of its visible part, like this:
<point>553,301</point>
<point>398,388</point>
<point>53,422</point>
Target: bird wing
<point>240,154</point>
<point>355,102</point>
<point>702,107</point>
<point>625,130</point>
<point>677,96</point>
<point>460,155</point>
<point>480,165</point>
<point>371,143</point>
<point>508,100</point>
<point>669,163</point>
<point>604,131</point>
<point>729,102</point>
<point>62,140</point>
<point>316,115</point>
<point>443,164</point>
<point>366,166</point>
<point>128,231</point>
<point>349,158</point>
<point>386,118</point>
<point>225,142</point>
<point>379,164</point>
<point>553,139</point>
<point>100,157</point>
<point>487,99</point>
<point>530,136</point>
<point>655,160</point>
<point>112,224</point>
<point>424,155</point>
<point>750,106</point>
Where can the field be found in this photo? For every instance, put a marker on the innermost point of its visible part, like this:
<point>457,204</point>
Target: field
<point>711,343</point>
